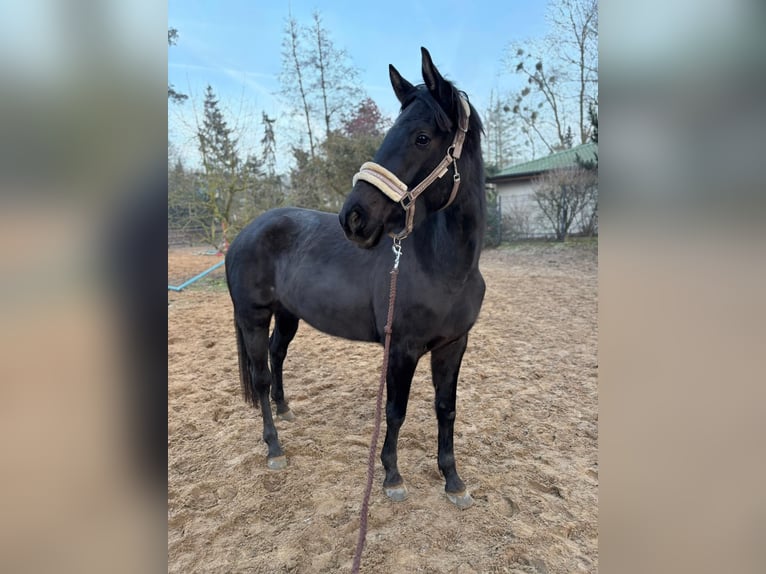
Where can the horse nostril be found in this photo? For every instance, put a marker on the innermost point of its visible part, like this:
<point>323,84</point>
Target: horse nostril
<point>355,221</point>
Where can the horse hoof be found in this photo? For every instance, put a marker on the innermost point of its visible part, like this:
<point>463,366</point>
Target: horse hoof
<point>462,500</point>
<point>286,416</point>
<point>396,493</point>
<point>277,462</point>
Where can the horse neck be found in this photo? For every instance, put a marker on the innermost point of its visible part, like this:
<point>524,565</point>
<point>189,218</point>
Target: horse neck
<point>452,239</point>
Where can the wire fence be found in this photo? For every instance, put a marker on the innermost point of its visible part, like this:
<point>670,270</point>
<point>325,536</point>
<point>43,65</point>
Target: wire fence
<point>185,235</point>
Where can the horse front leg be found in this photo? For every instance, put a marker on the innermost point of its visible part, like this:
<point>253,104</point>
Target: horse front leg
<point>401,368</point>
<point>445,367</point>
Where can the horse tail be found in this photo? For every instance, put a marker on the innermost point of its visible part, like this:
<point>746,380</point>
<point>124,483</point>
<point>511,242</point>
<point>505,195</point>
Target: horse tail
<point>245,372</point>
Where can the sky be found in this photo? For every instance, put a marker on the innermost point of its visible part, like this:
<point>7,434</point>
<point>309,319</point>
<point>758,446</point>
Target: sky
<point>235,46</point>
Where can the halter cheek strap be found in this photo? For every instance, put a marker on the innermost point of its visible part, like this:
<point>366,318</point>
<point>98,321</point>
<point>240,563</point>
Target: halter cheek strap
<point>396,190</point>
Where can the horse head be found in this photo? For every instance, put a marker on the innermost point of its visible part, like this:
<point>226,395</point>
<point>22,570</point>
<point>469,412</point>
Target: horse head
<point>404,183</point>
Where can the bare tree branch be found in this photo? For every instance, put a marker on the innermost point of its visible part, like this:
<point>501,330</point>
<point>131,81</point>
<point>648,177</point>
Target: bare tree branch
<point>563,195</point>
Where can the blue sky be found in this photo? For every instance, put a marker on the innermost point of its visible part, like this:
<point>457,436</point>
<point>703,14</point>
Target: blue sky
<point>235,46</point>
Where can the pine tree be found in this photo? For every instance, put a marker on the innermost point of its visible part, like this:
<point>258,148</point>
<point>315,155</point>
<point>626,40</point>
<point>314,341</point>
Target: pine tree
<point>217,144</point>
<point>225,175</point>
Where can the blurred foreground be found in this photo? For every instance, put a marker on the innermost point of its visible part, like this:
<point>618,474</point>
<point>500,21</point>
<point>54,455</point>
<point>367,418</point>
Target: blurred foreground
<point>82,209</point>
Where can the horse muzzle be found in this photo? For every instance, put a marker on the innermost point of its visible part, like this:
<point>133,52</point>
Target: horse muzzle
<point>358,227</point>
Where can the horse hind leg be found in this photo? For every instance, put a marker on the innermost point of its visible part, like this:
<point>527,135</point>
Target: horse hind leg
<point>285,327</point>
<point>255,338</point>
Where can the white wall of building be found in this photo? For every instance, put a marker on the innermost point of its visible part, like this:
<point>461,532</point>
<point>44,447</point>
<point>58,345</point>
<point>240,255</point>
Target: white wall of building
<point>520,210</point>
<point>521,215</point>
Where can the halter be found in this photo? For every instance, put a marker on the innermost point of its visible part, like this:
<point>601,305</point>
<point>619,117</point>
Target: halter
<point>393,188</point>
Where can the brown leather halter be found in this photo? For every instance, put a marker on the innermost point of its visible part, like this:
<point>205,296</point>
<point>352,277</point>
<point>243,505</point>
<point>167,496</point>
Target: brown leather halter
<point>395,189</point>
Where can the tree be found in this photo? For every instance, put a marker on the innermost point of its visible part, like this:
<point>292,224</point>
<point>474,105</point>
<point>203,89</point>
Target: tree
<point>343,155</point>
<point>305,180</point>
<point>588,218</point>
<point>517,219</point>
<point>173,95</point>
<point>225,175</point>
<point>365,121</point>
<point>271,186</point>
<point>562,195</point>
<point>591,164</point>
<point>561,74</point>
<point>269,143</point>
<point>575,32</point>
<point>323,182</point>
<point>320,74</point>
<point>348,147</point>
<point>183,199</point>
<point>294,67</point>
<point>493,235</point>
<point>541,95</point>
<point>499,143</point>
<point>334,77</point>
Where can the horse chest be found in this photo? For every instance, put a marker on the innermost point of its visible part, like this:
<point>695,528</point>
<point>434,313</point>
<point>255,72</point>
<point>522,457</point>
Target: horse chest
<point>447,308</point>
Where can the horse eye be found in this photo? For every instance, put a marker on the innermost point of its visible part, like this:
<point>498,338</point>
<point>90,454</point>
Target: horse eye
<point>422,140</point>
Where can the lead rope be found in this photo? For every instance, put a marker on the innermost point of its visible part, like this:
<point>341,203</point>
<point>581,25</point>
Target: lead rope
<point>397,249</point>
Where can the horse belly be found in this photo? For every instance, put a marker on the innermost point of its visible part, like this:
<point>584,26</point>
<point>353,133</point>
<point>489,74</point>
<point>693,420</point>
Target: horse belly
<point>333,312</point>
<point>352,330</point>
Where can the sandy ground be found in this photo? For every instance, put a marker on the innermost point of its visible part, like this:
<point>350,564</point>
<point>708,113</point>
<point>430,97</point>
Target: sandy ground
<point>525,437</point>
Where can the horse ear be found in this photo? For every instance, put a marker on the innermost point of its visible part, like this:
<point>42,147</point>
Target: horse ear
<point>439,87</point>
<point>401,86</point>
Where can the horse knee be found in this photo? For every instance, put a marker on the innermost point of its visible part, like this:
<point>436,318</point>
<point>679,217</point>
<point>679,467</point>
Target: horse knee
<point>444,411</point>
<point>394,420</point>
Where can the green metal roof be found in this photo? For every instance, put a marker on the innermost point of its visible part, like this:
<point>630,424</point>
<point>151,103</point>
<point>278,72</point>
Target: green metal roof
<point>558,160</point>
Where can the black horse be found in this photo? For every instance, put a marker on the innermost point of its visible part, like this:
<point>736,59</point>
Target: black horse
<point>293,264</point>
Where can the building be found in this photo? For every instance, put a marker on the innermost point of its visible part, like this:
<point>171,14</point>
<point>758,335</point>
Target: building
<point>515,186</point>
